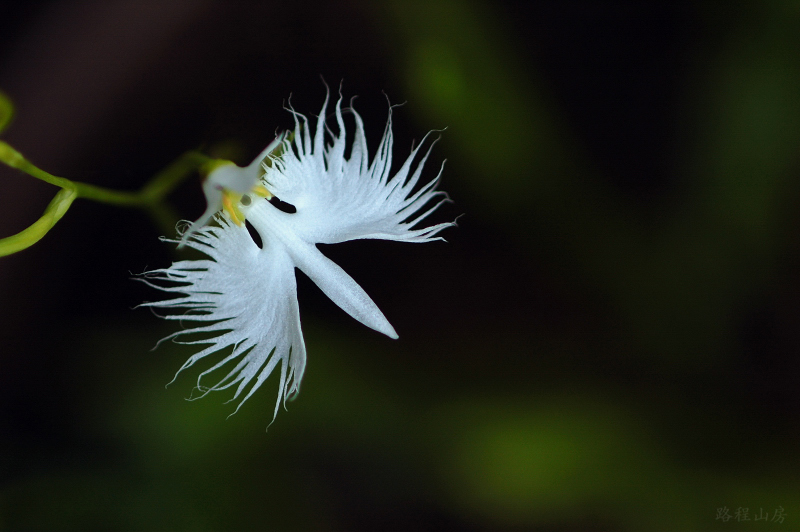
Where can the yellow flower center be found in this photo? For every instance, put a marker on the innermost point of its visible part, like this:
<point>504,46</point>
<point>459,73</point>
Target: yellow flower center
<point>232,202</point>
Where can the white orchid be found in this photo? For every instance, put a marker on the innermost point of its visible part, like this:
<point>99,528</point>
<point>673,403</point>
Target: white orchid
<point>244,294</point>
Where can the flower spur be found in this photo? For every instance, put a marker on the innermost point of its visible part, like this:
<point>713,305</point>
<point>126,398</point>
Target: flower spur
<point>245,295</point>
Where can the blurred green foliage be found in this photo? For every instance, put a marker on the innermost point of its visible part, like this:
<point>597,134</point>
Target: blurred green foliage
<point>6,111</point>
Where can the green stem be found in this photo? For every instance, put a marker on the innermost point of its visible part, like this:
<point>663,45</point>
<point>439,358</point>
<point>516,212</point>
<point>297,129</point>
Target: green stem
<point>27,237</point>
<point>164,182</point>
<point>150,197</point>
<point>153,192</point>
<point>14,159</point>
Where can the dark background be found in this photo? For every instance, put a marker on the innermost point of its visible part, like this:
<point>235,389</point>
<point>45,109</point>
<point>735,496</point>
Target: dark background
<point>608,341</point>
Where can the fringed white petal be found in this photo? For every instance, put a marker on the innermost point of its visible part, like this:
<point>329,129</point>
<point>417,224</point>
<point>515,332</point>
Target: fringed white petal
<point>248,297</point>
<point>339,199</point>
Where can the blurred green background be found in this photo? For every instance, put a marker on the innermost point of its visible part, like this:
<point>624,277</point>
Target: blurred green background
<point>608,342</point>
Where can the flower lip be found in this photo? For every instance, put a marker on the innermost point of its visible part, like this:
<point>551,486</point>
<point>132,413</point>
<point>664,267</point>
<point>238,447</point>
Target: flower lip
<point>244,299</point>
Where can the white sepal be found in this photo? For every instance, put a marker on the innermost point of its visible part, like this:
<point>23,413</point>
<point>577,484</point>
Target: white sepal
<point>228,177</point>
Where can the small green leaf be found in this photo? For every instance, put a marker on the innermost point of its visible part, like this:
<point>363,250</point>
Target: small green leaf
<point>40,227</point>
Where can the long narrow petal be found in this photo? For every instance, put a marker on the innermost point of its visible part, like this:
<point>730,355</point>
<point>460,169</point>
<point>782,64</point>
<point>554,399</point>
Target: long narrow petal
<point>341,288</point>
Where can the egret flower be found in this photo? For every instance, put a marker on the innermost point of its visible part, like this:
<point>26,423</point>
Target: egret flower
<point>244,295</point>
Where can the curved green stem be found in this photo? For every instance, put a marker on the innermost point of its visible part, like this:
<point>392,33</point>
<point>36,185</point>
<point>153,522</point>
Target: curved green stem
<point>164,182</point>
<point>28,237</point>
<point>154,191</point>
<point>150,196</point>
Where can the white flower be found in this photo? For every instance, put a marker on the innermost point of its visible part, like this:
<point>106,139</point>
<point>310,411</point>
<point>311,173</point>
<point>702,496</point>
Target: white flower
<point>245,296</point>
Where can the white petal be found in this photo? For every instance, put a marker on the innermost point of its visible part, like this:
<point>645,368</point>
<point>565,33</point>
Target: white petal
<point>248,298</point>
<point>331,279</point>
<point>341,288</point>
<point>339,199</point>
